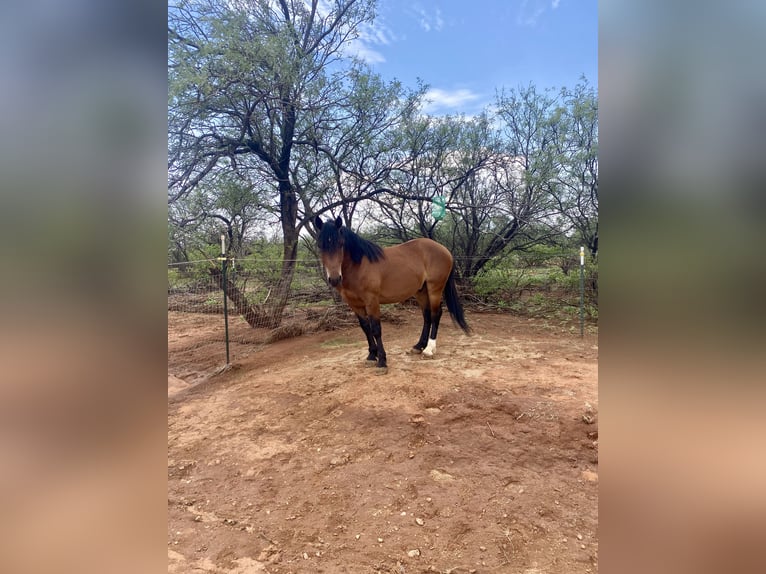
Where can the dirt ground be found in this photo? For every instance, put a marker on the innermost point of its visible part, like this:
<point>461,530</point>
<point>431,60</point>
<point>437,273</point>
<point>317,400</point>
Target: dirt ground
<point>299,459</point>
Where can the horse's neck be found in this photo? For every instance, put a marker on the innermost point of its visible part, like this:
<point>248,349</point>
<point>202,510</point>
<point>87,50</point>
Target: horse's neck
<point>348,264</point>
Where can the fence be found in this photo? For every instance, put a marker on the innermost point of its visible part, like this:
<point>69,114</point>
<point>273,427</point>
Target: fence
<point>262,309</point>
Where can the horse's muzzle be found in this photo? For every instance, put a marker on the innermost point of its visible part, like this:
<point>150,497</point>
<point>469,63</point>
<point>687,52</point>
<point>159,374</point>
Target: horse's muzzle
<point>335,281</point>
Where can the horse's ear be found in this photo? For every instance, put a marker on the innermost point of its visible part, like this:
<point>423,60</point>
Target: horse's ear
<point>318,222</point>
<point>338,222</point>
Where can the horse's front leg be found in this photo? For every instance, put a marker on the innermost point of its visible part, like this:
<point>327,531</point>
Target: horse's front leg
<point>372,347</point>
<point>377,335</point>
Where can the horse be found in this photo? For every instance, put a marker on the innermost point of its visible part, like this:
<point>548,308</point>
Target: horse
<point>367,275</point>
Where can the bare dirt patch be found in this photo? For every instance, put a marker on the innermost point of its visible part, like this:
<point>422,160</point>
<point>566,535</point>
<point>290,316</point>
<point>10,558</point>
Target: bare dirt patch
<point>300,459</point>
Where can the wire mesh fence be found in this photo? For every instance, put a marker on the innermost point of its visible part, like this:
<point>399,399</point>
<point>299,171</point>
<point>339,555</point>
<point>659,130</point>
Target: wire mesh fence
<point>264,308</point>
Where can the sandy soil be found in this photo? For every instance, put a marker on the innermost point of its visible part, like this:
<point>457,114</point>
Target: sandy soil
<point>299,459</point>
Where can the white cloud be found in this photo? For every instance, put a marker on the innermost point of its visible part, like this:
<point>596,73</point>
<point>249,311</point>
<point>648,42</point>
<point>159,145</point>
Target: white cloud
<point>364,52</point>
<point>429,21</point>
<point>555,4</point>
<point>371,37</point>
<point>445,100</point>
<point>530,11</point>
<point>377,33</point>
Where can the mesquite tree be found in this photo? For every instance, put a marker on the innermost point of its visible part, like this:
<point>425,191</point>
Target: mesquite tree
<point>255,86</point>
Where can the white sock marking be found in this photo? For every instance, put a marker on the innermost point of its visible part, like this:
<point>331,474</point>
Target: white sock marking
<point>430,348</point>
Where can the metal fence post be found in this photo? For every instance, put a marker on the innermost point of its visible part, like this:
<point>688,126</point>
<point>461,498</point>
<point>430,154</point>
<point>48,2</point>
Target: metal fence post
<point>582,291</point>
<point>224,261</point>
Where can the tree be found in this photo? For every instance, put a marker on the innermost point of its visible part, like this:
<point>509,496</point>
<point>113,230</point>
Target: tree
<point>226,201</point>
<point>577,179</point>
<point>251,84</point>
<point>361,149</point>
<point>506,203</point>
<point>435,157</point>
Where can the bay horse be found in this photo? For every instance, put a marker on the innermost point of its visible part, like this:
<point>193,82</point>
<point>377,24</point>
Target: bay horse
<point>367,275</point>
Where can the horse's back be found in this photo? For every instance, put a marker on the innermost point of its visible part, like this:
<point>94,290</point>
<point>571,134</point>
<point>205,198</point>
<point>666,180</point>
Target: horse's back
<point>428,250</point>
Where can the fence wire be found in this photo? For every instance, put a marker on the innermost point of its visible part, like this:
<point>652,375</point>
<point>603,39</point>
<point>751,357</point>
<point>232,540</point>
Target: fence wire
<point>263,309</point>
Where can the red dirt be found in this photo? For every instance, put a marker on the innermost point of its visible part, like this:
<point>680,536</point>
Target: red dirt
<point>299,459</point>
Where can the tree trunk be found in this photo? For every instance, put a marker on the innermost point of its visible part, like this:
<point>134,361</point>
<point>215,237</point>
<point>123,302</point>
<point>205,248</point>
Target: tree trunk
<point>285,281</point>
<point>288,206</point>
<point>252,314</point>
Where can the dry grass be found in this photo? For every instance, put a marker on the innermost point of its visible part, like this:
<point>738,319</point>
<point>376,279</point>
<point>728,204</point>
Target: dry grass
<point>287,331</point>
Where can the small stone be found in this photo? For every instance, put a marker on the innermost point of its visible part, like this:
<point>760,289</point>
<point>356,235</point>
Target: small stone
<point>419,521</point>
<point>428,499</point>
<point>482,548</point>
<point>305,556</point>
<point>380,540</point>
<point>413,553</point>
<point>440,475</point>
<point>404,513</point>
<point>579,537</point>
<point>266,553</point>
<point>198,518</point>
<point>358,536</point>
<point>590,476</point>
<point>582,546</point>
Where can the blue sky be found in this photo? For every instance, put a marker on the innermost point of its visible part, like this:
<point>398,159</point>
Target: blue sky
<point>466,49</point>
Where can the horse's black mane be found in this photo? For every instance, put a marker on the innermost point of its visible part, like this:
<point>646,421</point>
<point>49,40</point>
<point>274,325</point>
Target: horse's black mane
<point>356,246</point>
<point>359,247</point>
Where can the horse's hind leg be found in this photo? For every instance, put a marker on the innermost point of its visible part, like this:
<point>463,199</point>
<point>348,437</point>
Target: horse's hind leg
<point>435,311</point>
<point>422,297</point>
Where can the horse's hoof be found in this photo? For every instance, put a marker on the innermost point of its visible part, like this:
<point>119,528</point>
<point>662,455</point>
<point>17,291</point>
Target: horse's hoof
<point>415,351</point>
<point>428,355</point>
<point>370,363</point>
<point>381,370</point>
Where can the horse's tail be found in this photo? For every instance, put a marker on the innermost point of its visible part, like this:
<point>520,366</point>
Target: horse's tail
<point>453,302</point>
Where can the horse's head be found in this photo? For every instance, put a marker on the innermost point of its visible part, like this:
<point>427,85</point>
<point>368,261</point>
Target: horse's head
<point>330,243</point>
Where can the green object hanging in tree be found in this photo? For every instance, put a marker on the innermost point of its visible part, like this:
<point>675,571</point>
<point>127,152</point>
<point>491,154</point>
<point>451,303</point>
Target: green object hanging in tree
<point>438,208</point>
